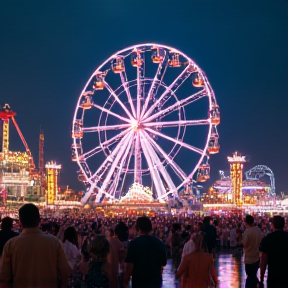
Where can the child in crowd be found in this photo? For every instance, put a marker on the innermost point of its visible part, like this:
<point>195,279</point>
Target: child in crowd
<point>99,269</point>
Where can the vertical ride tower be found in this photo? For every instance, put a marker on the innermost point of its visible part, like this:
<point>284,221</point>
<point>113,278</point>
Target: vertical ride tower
<point>52,172</point>
<point>236,176</point>
<point>16,168</point>
<point>5,115</point>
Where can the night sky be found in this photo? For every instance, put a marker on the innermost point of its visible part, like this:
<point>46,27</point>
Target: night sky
<point>49,48</point>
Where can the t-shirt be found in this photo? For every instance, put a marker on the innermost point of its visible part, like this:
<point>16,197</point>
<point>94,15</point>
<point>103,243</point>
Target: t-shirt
<point>275,245</point>
<point>148,255</point>
<point>251,240</point>
<point>34,259</point>
<point>72,253</point>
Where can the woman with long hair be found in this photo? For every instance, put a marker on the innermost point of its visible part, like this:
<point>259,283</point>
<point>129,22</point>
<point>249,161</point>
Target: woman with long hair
<point>70,247</point>
<point>197,268</point>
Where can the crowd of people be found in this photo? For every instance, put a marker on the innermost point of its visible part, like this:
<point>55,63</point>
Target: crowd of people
<point>78,248</point>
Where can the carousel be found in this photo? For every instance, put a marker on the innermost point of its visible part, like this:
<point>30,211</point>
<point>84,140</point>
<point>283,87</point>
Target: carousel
<point>137,201</point>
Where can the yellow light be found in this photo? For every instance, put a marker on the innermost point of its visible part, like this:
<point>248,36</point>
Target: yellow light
<point>236,166</point>
<point>52,181</point>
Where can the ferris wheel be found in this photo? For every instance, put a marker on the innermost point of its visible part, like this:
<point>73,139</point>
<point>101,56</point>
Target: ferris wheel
<point>147,115</point>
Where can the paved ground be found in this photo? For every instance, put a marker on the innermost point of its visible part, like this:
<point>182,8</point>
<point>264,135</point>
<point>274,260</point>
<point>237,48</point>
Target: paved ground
<point>230,270</point>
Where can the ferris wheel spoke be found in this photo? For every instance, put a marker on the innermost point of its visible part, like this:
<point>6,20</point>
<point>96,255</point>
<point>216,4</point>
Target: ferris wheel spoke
<point>111,113</point>
<point>111,91</point>
<point>140,74</point>
<point>189,178</point>
<point>168,193</point>
<point>162,67</point>
<point>100,194</point>
<point>90,153</point>
<point>197,150</point>
<point>126,168</point>
<point>113,187</point>
<point>110,159</point>
<point>177,123</point>
<point>104,144</point>
<point>105,128</point>
<point>121,154</point>
<point>127,150</point>
<point>178,171</point>
<point>160,167</point>
<point>170,90</point>
<point>124,158</point>
<point>124,81</point>
<point>119,169</point>
<point>87,195</point>
<point>184,102</point>
<point>160,189</point>
<point>137,160</point>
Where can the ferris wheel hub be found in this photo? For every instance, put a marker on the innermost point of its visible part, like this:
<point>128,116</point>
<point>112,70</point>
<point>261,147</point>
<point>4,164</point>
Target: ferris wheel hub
<point>135,125</point>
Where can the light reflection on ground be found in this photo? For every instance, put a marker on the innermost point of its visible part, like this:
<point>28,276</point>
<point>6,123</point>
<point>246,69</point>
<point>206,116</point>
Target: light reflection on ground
<point>230,269</point>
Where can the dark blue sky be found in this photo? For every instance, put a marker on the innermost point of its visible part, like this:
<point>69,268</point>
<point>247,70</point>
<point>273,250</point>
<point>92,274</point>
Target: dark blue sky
<point>49,48</point>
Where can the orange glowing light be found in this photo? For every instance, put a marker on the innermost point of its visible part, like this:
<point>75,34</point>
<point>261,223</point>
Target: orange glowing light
<point>135,125</point>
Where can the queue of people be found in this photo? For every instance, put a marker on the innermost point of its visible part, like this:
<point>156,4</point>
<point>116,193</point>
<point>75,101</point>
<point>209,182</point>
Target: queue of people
<point>76,248</point>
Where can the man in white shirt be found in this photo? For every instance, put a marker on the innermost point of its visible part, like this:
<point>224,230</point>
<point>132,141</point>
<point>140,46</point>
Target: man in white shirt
<point>251,241</point>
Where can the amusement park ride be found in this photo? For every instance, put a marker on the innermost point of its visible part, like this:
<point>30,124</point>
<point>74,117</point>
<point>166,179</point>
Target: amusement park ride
<point>17,169</point>
<point>257,188</point>
<point>260,171</point>
<point>5,115</point>
<point>136,121</point>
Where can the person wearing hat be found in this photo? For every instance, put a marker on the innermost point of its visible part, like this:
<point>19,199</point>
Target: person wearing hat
<point>274,253</point>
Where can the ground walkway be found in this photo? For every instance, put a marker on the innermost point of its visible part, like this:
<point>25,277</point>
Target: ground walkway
<point>230,269</point>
